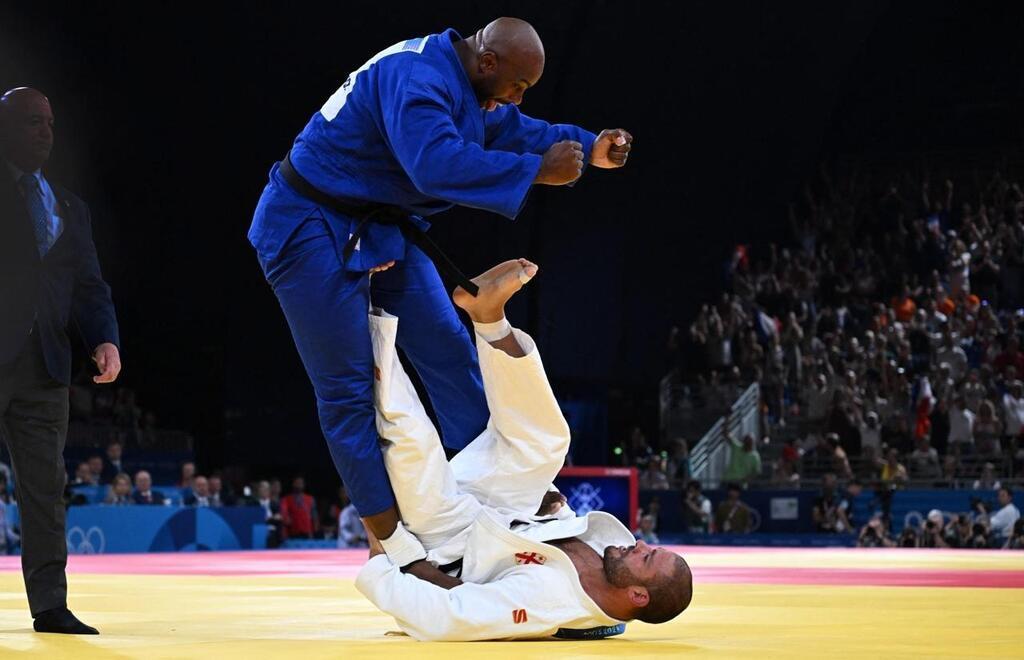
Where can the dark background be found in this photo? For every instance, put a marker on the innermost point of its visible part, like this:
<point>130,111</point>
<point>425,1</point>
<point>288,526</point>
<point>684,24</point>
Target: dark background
<point>170,114</point>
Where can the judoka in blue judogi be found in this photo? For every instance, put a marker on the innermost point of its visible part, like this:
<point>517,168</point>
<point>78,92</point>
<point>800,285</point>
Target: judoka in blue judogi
<point>423,125</point>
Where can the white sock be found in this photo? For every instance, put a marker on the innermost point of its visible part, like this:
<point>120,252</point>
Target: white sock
<point>402,547</point>
<point>493,331</point>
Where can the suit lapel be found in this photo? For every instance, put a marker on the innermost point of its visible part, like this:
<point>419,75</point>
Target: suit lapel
<point>20,228</point>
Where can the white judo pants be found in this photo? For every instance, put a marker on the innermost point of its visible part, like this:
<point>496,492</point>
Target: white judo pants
<point>508,468</point>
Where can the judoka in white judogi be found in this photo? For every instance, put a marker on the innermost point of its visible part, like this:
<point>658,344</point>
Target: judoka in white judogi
<point>481,507</point>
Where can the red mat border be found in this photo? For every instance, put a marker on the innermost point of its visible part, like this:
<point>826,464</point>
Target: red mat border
<point>346,564</point>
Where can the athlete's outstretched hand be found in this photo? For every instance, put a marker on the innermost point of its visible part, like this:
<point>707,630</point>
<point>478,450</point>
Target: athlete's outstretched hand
<point>611,148</point>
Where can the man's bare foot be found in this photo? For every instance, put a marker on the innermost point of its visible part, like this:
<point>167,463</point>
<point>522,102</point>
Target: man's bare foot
<point>496,286</point>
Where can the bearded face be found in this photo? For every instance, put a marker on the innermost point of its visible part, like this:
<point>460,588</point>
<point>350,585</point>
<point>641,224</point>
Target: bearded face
<point>617,567</point>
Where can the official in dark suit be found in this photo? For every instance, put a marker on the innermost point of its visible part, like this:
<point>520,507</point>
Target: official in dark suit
<point>271,512</point>
<point>200,493</point>
<point>50,282</point>
<point>144,493</point>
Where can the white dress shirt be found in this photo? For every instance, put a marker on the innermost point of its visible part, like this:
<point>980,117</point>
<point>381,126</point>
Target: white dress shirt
<point>1002,521</point>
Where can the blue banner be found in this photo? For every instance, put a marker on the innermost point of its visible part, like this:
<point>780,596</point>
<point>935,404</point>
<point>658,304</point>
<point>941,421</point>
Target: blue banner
<point>107,529</point>
<point>790,511</point>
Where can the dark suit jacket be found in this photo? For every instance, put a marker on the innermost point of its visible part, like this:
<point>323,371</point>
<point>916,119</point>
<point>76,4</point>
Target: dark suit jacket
<point>62,290</point>
<point>109,471</point>
<point>192,500</point>
<point>157,497</point>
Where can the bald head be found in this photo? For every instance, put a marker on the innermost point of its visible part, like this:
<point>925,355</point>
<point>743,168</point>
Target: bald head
<point>26,128</point>
<point>670,593</point>
<point>502,60</point>
<point>513,38</point>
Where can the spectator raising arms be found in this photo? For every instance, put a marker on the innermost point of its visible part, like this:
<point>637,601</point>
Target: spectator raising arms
<point>894,321</point>
<point>744,460</point>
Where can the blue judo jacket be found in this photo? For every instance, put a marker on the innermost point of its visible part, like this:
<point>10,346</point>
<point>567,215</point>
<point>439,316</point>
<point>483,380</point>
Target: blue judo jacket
<point>407,129</point>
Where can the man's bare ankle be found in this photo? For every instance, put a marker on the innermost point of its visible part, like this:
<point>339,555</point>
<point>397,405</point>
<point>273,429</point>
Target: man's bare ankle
<point>487,316</point>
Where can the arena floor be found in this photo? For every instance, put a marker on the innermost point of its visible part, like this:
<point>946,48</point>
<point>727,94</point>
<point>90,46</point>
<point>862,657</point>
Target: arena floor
<point>748,603</point>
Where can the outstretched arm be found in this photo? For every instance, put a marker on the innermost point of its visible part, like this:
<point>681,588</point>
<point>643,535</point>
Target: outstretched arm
<point>441,164</point>
<point>508,129</point>
<point>465,613</point>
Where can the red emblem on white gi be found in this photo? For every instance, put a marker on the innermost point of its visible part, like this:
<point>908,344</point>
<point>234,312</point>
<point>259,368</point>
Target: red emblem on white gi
<point>530,558</point>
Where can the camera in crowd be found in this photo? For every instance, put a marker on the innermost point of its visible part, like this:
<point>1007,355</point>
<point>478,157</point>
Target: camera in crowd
<point>979,539</point>
<point>908,538</point>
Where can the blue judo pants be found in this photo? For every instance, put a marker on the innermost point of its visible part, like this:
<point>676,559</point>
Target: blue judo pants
<point>326,307</point>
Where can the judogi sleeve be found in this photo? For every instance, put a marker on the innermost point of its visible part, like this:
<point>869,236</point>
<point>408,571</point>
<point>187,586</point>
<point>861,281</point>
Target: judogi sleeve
<point>513,463</point>
<point>508,129</point>
<point>440,162</point>
<point>517,605</point>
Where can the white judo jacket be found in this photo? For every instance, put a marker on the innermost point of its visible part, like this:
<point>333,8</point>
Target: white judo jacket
<point>480,508</point>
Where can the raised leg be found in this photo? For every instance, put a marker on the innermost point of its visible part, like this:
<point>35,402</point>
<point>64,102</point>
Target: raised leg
<point>511,464</point>
<point>436,343</point>
<point>425,488</point>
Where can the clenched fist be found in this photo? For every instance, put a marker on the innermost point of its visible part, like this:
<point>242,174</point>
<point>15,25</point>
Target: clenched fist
<point>562,164</point>
<point>611,148</point>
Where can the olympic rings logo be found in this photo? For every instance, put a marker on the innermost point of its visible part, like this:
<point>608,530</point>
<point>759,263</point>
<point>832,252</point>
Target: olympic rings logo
<point>86,543</point>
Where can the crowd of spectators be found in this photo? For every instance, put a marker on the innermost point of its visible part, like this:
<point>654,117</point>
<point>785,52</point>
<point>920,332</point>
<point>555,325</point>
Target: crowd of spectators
<point>891,326</point>
<point>885,338</point>
<point>987,525</point>
<point>110,481</point>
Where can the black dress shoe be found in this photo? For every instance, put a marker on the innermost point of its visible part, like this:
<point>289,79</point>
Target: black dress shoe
<point>61,620</point>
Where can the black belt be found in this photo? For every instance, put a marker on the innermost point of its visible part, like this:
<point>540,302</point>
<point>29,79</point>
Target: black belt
<point>383,214</point>
<point>454,566</point>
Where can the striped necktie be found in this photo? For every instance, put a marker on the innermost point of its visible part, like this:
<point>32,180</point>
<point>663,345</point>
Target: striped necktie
<point>37,210</point>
